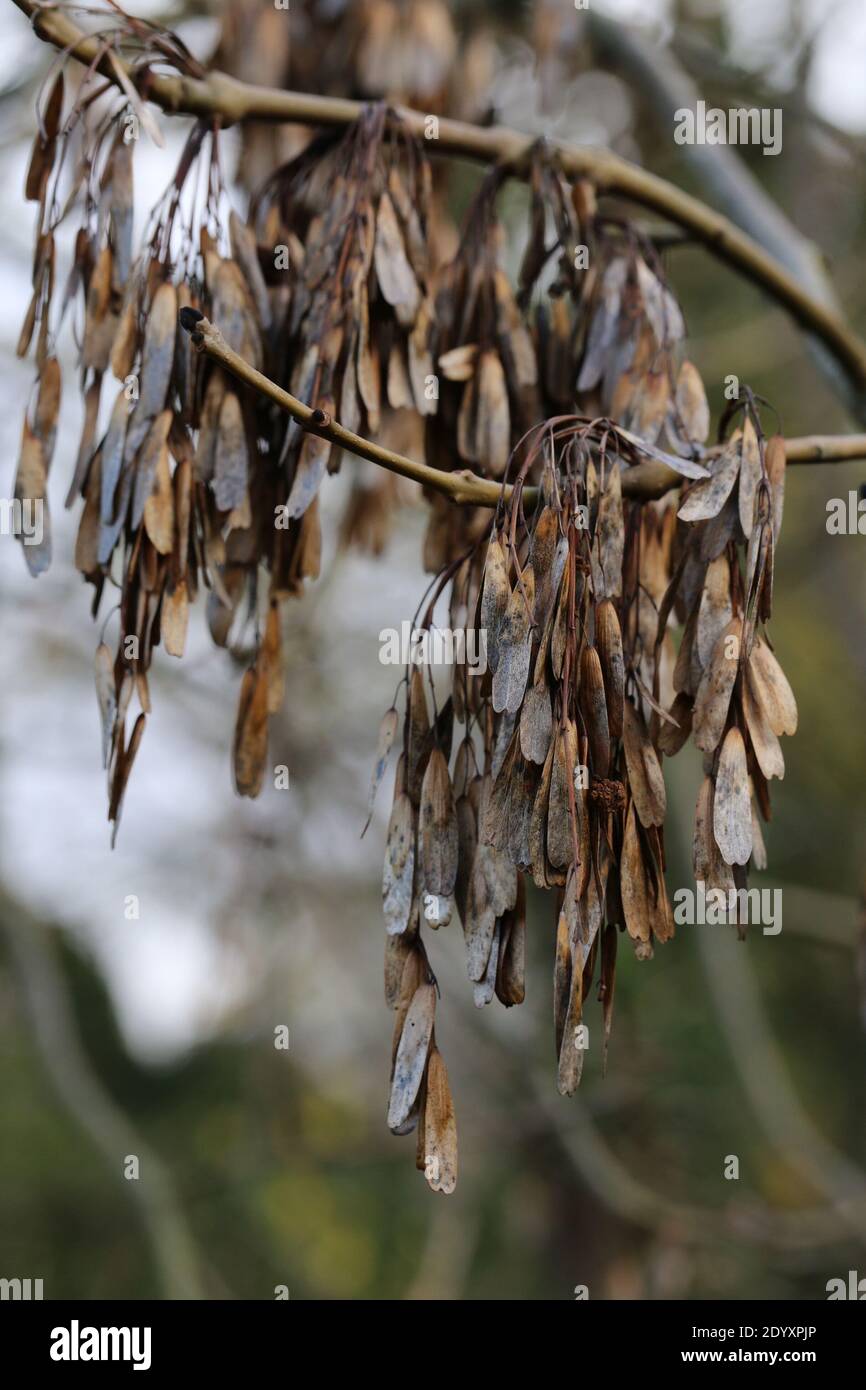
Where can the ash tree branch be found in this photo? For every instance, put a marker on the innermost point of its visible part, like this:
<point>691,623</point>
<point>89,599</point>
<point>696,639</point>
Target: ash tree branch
<point>722,173</point>
<point>641,483</point>
<point>218,95</point>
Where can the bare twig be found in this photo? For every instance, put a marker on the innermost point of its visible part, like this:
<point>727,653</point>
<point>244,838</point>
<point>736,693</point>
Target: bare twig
<point>217,94</point>
<point>462,486</point>
<point>825,448</point>
<point>642,483</point>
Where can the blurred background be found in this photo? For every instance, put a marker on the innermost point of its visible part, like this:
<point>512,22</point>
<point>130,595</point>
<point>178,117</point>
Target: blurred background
<point>154,1036</point>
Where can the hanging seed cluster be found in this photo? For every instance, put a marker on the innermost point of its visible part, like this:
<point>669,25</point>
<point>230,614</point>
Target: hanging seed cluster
<point>403,50</point>
<point>189,480</point>
<point>548,765</point>
<point>557,775</point>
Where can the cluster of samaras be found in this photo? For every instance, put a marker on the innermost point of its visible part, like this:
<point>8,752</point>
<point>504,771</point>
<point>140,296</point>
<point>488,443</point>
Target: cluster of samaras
<point>559,771</point>
<point>192,481</point>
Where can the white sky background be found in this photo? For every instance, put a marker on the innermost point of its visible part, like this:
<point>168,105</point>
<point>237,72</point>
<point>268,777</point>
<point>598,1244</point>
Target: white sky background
<point>172,974</point>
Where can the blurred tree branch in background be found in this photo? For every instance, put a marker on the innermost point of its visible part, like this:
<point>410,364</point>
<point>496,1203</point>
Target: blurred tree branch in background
<point>80,1091</point>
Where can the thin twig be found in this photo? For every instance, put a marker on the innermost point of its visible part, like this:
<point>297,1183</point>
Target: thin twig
<point>644,482</point>
<point>217,94</point>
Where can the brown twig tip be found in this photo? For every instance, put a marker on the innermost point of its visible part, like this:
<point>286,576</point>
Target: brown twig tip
<point>189,318</point>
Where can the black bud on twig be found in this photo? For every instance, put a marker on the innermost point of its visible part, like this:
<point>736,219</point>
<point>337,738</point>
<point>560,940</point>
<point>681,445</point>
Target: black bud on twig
<point>189,318</point>
<point>321,417</point>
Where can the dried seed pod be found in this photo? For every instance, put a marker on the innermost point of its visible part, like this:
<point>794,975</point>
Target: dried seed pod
<point>251,731</point>
<point>437,832</point>
<point>714,610</point>
<point>674,731</point>
<point>411,1058</point>
<point>707,498</point>
<point>495,598</point>
<point>514,645</point>
<point>771,689</point>
<point>691,403</point>
<point>593,703</point>
<point>633,884</point>
<point>732,805</point>
<point>713,697</point>
<point>510,975</point>
<point>765,744</point>
<point>608,641</point>
<point>644,771</point>
<point>399,874</point>
<point>536,723</point>
<point>750,476</point>
<point>440,1128</point>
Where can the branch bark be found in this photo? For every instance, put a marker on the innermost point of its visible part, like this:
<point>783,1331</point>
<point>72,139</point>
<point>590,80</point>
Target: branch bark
<point>722,173</point>
<point>218,95</point>
<point>642,483</point>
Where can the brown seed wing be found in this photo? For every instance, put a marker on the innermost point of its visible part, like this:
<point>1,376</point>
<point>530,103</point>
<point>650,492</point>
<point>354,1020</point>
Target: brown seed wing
<point>514,646</point>
<point>399,873</point>
<point>608,641</point>
<point>411,1059</point>
<point>713,697</point>
<point>387,732</point>
<point>732,807</point>
<point>106,695</point>
<point>772,690</point>
<point>440,1128</point>
<point>437,829</point>
<point>607,550</point>
<point>495,596</point>
<point>714,610</point>
<point>395,275</point>
<point>174,618</point>
<point>593,703</point>
<point>536,723</point>
<point>767,748</point>
<point>158,353</point>
<point>31,483</point>
<point>492,443</point>
<point>251,732</point>
<point>674,731</point>
<point>644,770</point>
<point>311,467</point>
<point>691,403</point>
<point>707,497</point>
<point>750,476</point>
<point>633,885</point>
